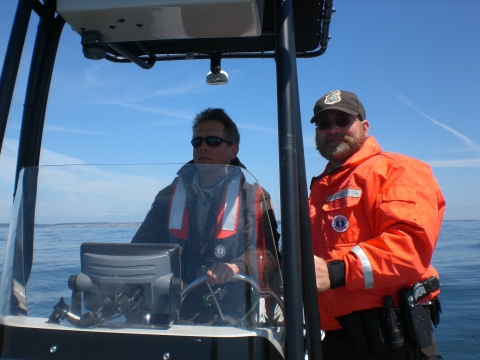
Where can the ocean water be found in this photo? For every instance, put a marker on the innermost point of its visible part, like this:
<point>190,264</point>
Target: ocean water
<point>456,258</point>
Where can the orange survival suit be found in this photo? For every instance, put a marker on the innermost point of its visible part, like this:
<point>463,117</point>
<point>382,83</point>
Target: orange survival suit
<point>380,213</point>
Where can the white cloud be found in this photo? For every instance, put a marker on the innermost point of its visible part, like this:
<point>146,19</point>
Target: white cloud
<point>184,115</point>
<point>8,164</point>
<point>88,87</point>
<point>454,163</point>
<point>180,89</point>
<point>462,137</point>
<point>309,140</point>
<point>81,192</point>
<point>48,157</point>
<point>136,95</point>
<point>90,78</point>
<point>8,160</point>
<point>76,131</point>
<point>13,126</point>
<point>258,128</point>
<point>16,126</point>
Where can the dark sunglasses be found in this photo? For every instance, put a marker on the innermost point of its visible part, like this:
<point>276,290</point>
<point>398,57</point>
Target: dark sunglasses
<point>209,140</point>
<point>325,124</point>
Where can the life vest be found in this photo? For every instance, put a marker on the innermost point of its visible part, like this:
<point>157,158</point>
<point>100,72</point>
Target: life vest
<point>229,232</point>
<point>222,238</point>
<point>227,218</point>
<point>262,257</point>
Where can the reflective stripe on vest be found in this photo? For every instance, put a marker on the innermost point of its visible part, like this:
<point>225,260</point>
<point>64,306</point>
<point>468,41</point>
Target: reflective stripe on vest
<point>178,214</point>
<point>345,193</point>
<point>227,219</point>
<point>366,266</point>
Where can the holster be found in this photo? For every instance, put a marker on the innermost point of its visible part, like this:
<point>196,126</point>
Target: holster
<point>416,321</point>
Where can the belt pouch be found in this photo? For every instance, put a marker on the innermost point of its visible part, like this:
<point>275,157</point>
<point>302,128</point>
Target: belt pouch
<point>435,311</point>
<point>363,327</point>
<point>371,324</point>
<point>353,327</point>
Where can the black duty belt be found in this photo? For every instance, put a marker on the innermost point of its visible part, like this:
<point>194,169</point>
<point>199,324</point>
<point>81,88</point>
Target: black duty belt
<point>368,328</point>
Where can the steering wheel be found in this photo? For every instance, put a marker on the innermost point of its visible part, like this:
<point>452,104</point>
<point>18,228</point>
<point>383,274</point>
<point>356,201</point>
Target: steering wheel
<point>242,277</point>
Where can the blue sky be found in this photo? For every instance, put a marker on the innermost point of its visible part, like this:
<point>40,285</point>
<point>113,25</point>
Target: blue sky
<point>413,64</point>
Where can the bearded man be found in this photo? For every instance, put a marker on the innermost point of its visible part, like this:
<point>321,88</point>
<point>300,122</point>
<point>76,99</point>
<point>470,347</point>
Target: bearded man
<point>375,218</point>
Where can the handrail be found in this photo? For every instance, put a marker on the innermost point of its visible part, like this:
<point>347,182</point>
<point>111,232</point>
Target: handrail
<point>140,61</point>
<point>41,10</point>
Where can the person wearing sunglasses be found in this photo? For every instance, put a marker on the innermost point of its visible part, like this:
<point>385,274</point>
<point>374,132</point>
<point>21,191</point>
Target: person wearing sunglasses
<point>375,220</point>
<point>191,212</point>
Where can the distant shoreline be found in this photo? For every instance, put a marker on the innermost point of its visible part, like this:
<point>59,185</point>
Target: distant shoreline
<point>84,225</point>
<point>123,224</point>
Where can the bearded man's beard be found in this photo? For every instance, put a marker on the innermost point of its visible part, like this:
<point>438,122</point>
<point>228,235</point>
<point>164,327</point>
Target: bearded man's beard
<point>342,151</point>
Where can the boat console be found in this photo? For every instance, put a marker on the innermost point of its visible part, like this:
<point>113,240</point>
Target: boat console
<point>107,285</point>
<point>139,281</point>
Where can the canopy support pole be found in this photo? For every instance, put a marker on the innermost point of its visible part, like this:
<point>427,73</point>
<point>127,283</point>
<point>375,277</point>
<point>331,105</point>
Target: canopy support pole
<point>12,62</point>
<point>36,97</point>
<point>310,301</point>
<point>293,190</point>
<point>41,69</point>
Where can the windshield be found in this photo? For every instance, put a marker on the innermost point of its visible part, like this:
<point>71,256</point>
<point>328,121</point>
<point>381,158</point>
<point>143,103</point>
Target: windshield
<point>142,246</point>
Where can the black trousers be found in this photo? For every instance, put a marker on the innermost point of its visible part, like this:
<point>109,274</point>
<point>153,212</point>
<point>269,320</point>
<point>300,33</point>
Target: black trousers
<point>336,346</point>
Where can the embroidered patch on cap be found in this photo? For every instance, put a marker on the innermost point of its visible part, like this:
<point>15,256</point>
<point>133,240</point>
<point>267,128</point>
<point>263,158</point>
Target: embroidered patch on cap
<point>220,251</point>
<point>340,223</point>
<point>333,98</point>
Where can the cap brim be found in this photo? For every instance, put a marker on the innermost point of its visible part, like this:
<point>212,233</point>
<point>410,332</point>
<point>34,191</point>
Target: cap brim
<point>333,107</point>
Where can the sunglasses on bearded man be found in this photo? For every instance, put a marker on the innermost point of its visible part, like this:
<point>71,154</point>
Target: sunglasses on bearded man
<point>325,124</point>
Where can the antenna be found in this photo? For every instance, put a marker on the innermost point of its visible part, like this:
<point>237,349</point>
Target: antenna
<point>216,76</point>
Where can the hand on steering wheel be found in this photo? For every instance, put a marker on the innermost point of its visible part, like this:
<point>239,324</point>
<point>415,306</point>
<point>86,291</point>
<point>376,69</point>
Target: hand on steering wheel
<point>261,293</point>
<point>221,273</point>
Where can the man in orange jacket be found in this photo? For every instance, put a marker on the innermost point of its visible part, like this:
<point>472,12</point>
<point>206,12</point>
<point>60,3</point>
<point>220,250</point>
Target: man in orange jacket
<point>375,221</point>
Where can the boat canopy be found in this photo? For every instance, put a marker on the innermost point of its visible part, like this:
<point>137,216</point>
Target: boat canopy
<point>145,32</point>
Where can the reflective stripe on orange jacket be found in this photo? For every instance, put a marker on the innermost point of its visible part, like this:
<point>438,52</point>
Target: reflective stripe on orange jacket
<point>381,214</point>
